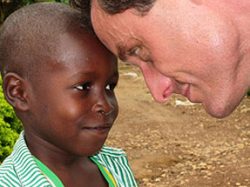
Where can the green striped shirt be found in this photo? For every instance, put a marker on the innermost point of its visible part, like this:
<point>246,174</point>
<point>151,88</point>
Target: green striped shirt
<point>20,168</point>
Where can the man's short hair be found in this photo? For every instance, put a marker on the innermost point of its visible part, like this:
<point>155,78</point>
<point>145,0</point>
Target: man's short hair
<point>112,6</point>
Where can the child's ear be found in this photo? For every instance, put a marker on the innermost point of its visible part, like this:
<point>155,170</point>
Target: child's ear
<point>15,89</point>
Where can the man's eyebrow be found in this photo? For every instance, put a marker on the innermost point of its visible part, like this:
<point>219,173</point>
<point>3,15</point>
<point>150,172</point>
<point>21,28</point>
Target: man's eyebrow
<point>121,51</point>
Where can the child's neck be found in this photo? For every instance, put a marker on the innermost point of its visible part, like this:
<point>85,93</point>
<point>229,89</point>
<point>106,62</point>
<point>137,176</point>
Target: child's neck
<point>72,170</point>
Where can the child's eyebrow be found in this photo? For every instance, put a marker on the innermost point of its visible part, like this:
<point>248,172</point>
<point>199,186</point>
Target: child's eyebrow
<point>92,73</point>
<point>83,73</point>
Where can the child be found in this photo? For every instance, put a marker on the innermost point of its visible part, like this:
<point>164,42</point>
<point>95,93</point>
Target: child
<point>60,81</point>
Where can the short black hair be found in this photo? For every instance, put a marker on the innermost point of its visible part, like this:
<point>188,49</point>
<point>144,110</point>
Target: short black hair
<point>28,35</point>
<point>111,7</point>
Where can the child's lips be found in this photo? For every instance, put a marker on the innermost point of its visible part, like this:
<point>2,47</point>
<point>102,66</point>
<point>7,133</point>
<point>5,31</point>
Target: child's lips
<point>104,128</point>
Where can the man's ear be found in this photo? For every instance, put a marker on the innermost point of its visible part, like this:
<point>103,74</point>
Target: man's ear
<point>15,90</point>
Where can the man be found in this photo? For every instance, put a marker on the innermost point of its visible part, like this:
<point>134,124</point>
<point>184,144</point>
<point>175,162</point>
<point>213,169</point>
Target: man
<point>196,48</point>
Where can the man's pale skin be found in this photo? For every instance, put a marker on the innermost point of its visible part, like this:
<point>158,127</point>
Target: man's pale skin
<point>199,49</point>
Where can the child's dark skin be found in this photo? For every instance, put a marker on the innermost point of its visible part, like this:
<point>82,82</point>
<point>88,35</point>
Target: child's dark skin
<point>68,107</point>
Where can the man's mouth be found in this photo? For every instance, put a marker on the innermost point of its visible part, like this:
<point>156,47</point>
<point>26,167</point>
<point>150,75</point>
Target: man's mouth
<point>186,90</point>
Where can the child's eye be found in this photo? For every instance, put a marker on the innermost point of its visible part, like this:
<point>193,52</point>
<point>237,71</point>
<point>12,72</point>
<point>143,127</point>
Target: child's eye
<point>110,87</point>
<point>84,87</point>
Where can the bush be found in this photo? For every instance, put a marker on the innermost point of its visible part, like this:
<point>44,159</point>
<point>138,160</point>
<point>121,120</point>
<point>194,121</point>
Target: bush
<point>10,126</point>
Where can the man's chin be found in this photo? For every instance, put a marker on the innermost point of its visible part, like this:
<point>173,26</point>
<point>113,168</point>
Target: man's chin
<point>218,111</point>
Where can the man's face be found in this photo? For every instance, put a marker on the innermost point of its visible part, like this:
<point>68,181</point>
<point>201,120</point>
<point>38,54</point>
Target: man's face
<point>73,105</point>
<point>181,48</point>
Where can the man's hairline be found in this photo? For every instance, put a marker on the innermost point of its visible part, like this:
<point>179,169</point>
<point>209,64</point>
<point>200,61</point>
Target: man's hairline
<point>120,47</point>
<point>138,11</point>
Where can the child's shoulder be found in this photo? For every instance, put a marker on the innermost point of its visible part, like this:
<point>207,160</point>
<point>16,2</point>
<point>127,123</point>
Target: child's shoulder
<point>6,166</point>
<point>116,161</point>
<point>112,152</point>
<point>8,175</point>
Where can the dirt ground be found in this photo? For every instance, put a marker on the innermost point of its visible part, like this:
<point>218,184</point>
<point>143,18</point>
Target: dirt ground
<point>178,144</point>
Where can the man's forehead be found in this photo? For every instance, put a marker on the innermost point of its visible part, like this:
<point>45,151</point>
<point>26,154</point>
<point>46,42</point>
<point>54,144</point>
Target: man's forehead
<point>115,31</point>
<point>107,23</point>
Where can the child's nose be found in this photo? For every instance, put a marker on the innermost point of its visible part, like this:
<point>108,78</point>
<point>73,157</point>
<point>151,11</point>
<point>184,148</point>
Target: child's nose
<point>103,105</point>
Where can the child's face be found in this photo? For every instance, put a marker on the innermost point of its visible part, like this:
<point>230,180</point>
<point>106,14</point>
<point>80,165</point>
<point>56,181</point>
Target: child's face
<point>73,103</point>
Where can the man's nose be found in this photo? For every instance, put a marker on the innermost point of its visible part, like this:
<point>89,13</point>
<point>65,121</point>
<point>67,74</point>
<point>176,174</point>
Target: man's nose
<point>103,105</point>
<point>160,86</point>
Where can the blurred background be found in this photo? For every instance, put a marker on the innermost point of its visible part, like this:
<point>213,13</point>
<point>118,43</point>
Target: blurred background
<point>168,145</point>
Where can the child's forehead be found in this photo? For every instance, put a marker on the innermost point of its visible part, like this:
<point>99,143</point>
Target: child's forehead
<point>77,49</point>
<point>81,43</point>
<point>80,58</point>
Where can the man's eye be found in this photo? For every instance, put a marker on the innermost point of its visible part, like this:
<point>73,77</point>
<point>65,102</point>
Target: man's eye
<point>84,87</point>
<point>110,87</point>
<point>135,51</point>
<point>141,52</point>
